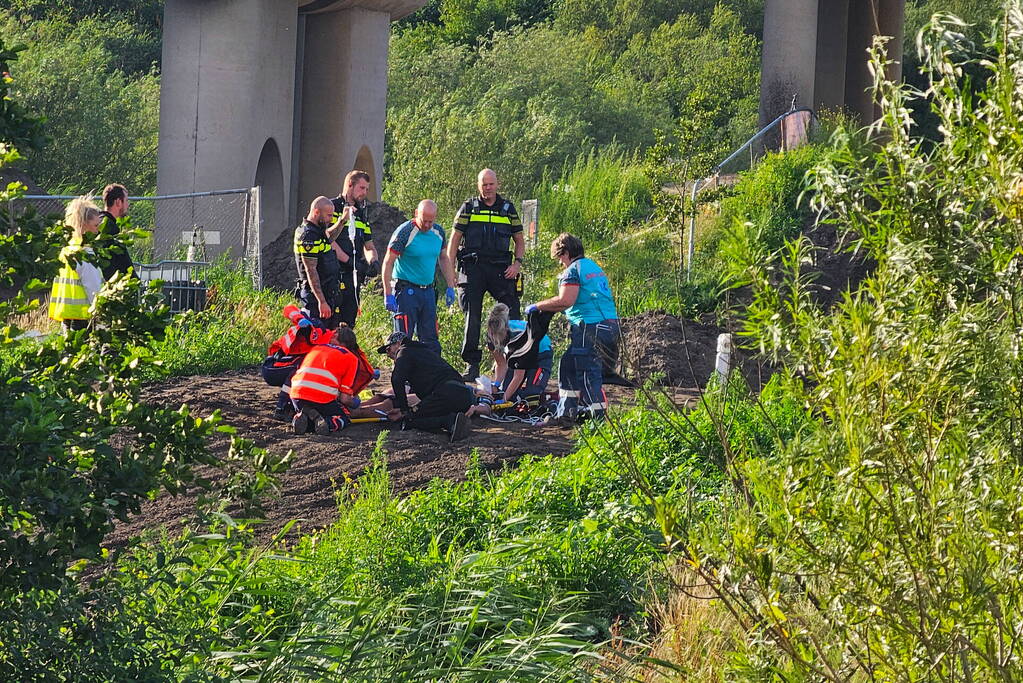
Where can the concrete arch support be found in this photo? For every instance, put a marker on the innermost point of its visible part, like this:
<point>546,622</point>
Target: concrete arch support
<point>272,197</point>
<point>253,90</point>
<point>344,97</point>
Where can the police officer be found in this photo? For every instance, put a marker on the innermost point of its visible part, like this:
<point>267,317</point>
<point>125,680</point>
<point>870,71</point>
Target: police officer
<point>319,286</point>
<point>354,245</point>
<point>481,245</point>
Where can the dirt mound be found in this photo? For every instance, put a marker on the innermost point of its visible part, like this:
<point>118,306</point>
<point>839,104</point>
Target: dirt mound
<point>837,269</point>
<point>279,259</point>
<point>677,352</point>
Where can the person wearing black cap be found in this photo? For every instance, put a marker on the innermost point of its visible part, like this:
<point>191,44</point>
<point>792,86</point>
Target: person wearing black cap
<point>443,396</point>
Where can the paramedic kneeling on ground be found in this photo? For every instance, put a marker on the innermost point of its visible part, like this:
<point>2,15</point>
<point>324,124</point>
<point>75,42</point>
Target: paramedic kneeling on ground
<point>522,352</point>
<point>585,296</point>
<point>322,388</point>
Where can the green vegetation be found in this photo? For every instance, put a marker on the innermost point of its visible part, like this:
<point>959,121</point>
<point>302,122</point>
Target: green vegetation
<point>101,105</point>
<point>520,575</point>
<point>454,107</point>
<point>855,521</point>
<point>879,545</point>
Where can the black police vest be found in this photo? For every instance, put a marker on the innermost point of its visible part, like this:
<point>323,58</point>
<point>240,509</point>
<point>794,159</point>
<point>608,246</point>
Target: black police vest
<point>489,229</point>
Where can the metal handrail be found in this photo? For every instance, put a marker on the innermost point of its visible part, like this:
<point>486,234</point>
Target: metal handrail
<point>716,171</point>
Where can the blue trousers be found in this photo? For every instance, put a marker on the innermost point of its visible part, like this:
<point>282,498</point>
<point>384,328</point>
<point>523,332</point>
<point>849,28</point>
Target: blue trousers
<point>417,313</point>
<point>580,373</point>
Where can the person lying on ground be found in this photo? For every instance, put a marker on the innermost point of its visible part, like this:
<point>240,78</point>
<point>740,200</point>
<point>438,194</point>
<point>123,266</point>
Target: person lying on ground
<point>522,352</point>
<point>443,395</point>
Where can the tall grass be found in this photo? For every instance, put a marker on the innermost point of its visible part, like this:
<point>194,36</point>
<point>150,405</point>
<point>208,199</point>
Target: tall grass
<point>597,198</point>
<point>233,331</point>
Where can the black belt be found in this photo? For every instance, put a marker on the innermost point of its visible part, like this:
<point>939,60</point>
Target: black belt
<point>406,283</point>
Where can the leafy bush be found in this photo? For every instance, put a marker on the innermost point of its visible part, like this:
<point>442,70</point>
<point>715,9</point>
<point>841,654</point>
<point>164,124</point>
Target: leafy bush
<point>882,544</point>
<point>102,123</point>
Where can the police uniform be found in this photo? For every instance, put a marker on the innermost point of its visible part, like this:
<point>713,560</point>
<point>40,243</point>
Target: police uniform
<point>354,271</point>
<point>484,253</point>
<point>311,241</point>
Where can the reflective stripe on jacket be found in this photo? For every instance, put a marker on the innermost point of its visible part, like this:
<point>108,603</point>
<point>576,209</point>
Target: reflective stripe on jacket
<point>68,298</point>
<point>326,372</point>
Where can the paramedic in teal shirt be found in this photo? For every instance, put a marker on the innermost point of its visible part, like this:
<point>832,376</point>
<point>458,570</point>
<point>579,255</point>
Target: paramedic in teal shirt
<point>584,294</point>
<point>410,266</point>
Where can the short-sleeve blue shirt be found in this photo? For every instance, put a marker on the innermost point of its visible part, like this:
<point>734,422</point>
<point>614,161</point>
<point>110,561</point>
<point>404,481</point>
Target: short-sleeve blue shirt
<point>417,252</point>
<point>520,326</point>
<point>594,302</point>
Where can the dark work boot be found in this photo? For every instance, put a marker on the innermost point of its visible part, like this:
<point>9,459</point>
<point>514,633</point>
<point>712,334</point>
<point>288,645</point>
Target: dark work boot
<point>459,428</point>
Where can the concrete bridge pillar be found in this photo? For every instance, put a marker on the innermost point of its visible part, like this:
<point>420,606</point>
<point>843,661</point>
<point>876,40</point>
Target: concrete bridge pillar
<point>286,94</point>
<point>816,51</point>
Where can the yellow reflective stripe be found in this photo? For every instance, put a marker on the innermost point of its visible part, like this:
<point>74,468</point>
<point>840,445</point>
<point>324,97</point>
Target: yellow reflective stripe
<point>314,248</point>
<point>68,298</point>
<point>477,218</point>
<point>359,225</point>
<point>313,385</point>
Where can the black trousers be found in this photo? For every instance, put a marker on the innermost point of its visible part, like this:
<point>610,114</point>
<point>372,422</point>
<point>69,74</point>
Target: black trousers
<point>311,308</point>
<point>436,411</point>
<point>474,281</point>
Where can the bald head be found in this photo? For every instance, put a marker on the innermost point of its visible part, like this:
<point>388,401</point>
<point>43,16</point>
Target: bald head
<point>486,181</point>
<point>321,211</point>
<point>426,214</point>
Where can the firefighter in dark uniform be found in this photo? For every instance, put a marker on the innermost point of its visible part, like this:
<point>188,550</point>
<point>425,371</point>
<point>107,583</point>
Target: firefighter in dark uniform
<point>354,245</point>
<point>319,286</point>
<point>486,227</point>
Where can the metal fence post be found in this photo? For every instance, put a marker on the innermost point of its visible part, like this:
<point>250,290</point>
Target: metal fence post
<point>531,220</point>
<point>256,221</point>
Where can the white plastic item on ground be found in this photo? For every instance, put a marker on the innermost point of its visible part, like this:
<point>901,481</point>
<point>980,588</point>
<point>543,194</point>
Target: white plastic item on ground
<point>723,364</point>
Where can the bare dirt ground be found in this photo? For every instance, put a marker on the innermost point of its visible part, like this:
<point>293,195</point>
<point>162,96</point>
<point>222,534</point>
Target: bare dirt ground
<point>653,347</point>
<point>307,489</point>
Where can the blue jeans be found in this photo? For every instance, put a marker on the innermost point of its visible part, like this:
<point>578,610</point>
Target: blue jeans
<point>417,313</point>
<point>580,373</point>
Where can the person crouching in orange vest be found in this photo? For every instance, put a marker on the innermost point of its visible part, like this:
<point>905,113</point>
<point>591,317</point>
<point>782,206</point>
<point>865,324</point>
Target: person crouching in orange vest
<point>321,390</point>
<point>284,357</point>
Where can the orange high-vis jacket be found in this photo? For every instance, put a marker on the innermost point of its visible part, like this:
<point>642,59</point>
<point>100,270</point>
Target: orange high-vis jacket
<point>326,372</point>
<point>292,313</point>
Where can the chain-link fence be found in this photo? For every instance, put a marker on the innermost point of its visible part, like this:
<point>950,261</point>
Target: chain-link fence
<point>790,130</point>
<point>199,227</point>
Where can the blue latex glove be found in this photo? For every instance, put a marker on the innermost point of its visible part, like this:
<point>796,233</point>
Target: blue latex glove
<point>376,373</point>
<point>304,322</point>
<point>531,308</point>
<point>390,303</point>
<point>449,295</point>
<point>356,402</point>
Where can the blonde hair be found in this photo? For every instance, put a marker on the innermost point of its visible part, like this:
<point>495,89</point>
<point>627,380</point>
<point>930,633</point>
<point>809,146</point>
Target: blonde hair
<point>497,325</point>
<point>80,212</point>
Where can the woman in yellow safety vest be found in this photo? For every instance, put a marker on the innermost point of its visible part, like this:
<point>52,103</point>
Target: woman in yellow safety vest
<point>75,287</point>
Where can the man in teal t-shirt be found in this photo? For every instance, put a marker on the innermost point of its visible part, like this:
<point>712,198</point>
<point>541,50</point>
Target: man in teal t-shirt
<point>410,266</point>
